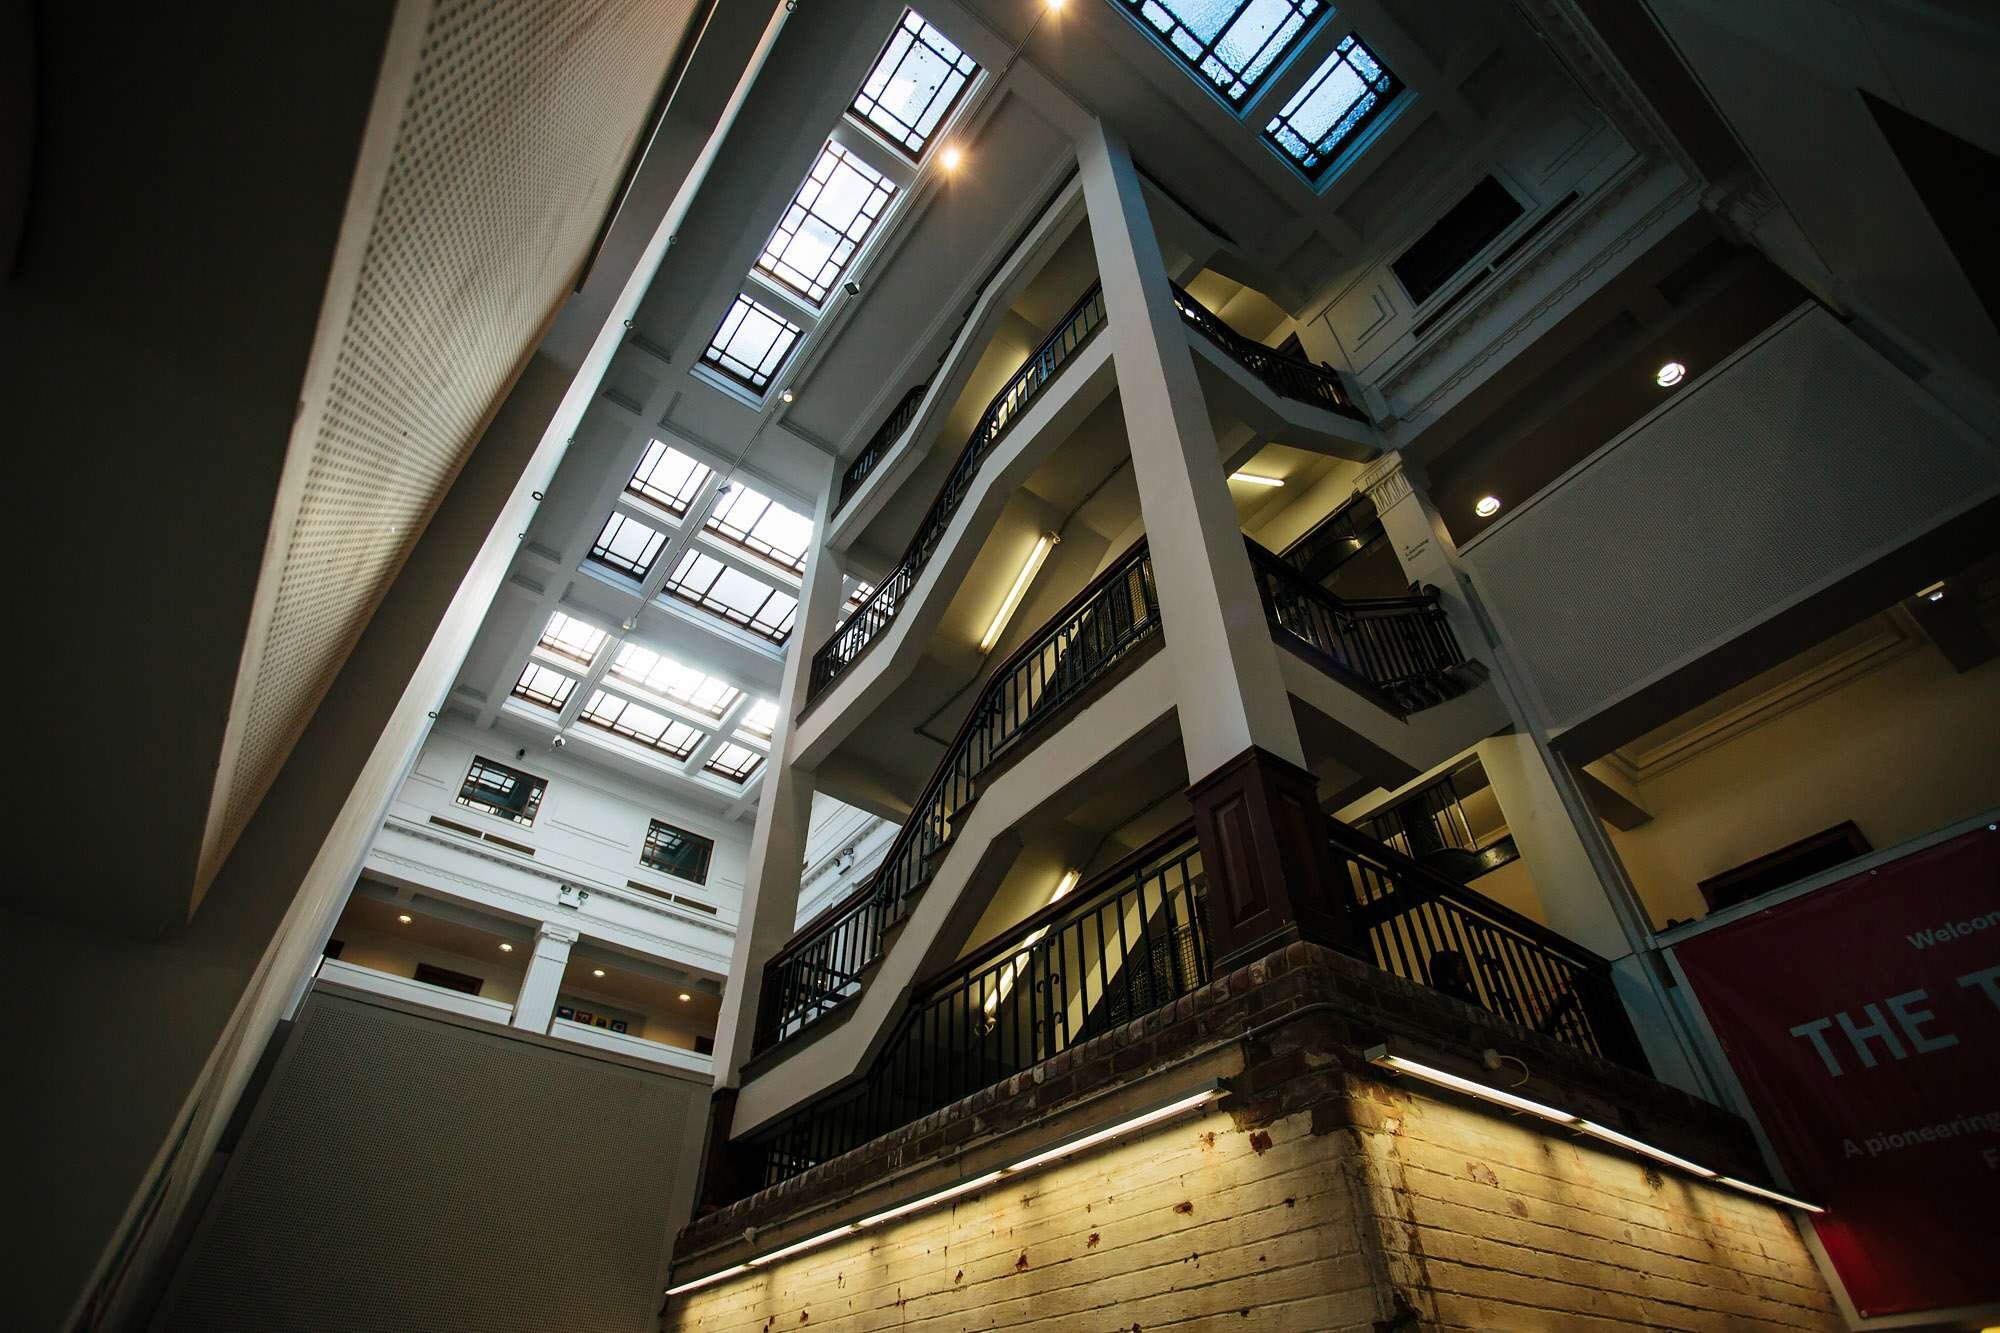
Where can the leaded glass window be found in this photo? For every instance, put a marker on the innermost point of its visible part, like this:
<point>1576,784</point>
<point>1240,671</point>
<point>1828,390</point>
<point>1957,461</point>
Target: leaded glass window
<point>644,669</point>
<point>544,686</point>
<point>636,722</point>
<point>830,217</point>
<point>914,85</point>
<point>675,851</point>
<point>500,790</point>
<point>668,478</point>
<point>1342,98</point>
<point>735,762</point>
<point>728,592</point>
<point>1233,45</point>
<point>751,343</point>
<point>760,525</point>
<point>628,546</point>
<point>570,641</point>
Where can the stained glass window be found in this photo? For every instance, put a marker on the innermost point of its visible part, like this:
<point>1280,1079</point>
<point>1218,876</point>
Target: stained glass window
<point>751,343</point>
<point>544,686</point>
<point>1233,45</point>
<point>644,669</point>
<point>634,722</point>
<point>1342,98</point>
<point>914,85</point>
<point>628,546</point>
<point>760,525</point>
<point>668,478</point>
<point>830,217</point>
<point>730,593</point>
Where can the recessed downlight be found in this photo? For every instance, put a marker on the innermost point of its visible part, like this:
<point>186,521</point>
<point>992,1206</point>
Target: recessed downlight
<point>404,917</point>
<point>506,947</point>
<point>597,971</point>
<point>787,395</point>
<point>1487,507</point>
<point>1670,374</point>
<point>686,996</point>
<point>950,157</point>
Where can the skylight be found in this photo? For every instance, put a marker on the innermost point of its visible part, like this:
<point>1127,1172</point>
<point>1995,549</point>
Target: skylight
<point>644,669</point>
<point>830,217</point>
<point>752,342</point>
<point>570,641</point>
<point>544,686</point>
<point>628,546</point>
<point>754,521</point>
<point>630,720</point>
<point>734,762</point>
<point>1343,97</point>
<point>914,85</point>
<point>1231,45</point>
<point>668,478</point>
<point>735,596</point>
<point>760,719</point>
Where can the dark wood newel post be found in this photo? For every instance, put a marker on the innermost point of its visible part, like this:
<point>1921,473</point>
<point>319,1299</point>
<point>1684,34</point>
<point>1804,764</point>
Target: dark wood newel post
<point>1272,877</point>
<point>721,1161</point>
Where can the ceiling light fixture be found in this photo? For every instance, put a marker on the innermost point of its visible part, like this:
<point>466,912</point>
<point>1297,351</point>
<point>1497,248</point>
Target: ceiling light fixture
<point>1055,6</point>
<point>597,971</point>
<point>1670,374</point>
<point>506,947</point>
<point>786,395</point>
<point>1065,1149</point>
<point>950,157</point>
<point>1934,593</point>
<point>1252,479</point>
<point>1487,507</point>
<point>1012,601</point>
<point>403,917</point>
<point>686,996</point>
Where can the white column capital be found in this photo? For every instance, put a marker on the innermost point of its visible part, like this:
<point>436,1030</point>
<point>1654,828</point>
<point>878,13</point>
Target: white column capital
<point>555,933</point>
<point>1390,479</point>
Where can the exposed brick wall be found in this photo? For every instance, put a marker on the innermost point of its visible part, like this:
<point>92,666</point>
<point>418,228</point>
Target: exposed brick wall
<point>1320,1193</point>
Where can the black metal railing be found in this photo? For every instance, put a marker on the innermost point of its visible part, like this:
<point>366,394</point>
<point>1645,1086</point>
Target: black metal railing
<point>1431,825</point>
<point>821,967</point>
<point>1399,648</point>
<point>1335,539</point>
<point>1287,375</point>
<point>1072,332</point>
<point>1132,939</point>
<point>877,448</point>
<point>1427,929</point>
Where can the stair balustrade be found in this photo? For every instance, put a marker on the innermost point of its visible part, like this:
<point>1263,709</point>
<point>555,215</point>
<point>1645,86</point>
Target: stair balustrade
<point>877,448</point>
<point>1288,376</point>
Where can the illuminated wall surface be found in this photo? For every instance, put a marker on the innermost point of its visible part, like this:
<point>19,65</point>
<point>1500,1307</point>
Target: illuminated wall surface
<point>1427,1208</point>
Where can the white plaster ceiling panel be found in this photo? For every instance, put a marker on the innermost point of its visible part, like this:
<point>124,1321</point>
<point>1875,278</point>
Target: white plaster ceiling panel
<point>519,118</point>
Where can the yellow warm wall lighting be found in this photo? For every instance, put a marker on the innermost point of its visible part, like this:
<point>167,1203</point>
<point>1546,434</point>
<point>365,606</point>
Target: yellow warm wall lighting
<point>1012,601</point>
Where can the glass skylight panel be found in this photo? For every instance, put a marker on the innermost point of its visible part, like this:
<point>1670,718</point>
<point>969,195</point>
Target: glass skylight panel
<point>628,546</point>
<point>752,342</point>
<point>635,722</point>
<point>830,217</point>
<point>760,719</point>
<point>735,596</point>
<point>914,85</point>
<point>734,762</point>
<point>644,669</point>
<point>569,640</point>
<point>544,686</point>
<point>1342,98</point>
<point>1232,45</point>
<point>668,478</point>
<point>754,521</point>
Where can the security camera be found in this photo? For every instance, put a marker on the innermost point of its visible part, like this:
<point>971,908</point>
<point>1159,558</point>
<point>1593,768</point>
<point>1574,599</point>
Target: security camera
<point>521,753</point>
<point>558,742</point>
<point>851,287</point>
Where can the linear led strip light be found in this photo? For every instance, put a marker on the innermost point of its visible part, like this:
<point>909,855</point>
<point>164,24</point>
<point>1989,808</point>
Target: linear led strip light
<point>1068,1147</point>
<point>1380,1055</point>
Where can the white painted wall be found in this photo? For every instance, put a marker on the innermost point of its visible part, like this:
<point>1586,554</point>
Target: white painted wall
<point>843,847</point>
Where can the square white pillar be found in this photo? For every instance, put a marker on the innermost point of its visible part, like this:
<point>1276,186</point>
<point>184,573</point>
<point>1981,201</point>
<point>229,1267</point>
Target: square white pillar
<point>535,1006</point>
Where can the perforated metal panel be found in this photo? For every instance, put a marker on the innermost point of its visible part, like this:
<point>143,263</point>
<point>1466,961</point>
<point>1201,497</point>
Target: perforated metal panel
<point>408,1173</point>
<point>516,129</point>
<point>1806,457</point>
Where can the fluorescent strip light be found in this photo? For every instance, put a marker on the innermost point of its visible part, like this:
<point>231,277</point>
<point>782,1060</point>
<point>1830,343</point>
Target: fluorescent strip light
<point>1113,1131</point>
<point>963,1187</point>
<point>1773,1195</point>
<point>1012,600</point>
<point>1447,1080</point>
<point>701,1282</point>
<point>1595,1130</point>
<point>1252,479</point>
<point>799,1247</point>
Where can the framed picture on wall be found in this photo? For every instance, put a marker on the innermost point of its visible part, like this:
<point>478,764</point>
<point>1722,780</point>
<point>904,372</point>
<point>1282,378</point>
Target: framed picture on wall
<point>618,1025</point>
<point>583,1016</point>
<point>566,1011</point>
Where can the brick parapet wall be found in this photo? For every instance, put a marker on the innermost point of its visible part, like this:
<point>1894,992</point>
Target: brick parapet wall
<point>1293,1027</point>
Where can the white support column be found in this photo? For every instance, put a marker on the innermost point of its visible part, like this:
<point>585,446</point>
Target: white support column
<point>1231,693</point>
<point>535,1006</point>
<point>1423,545</point>
<point>784,812</point>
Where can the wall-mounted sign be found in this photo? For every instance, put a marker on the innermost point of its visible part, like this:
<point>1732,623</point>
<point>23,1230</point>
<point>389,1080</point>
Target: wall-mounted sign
<point>1863,1021</point>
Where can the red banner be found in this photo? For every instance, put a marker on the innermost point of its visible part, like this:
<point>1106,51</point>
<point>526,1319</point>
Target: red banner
<point>1864,1023</point>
